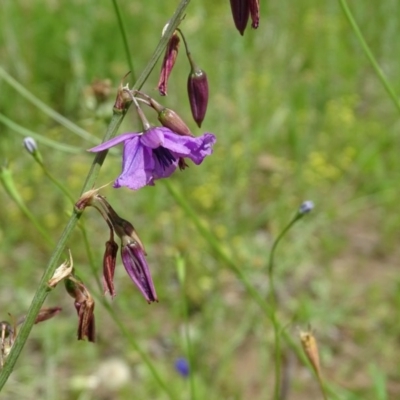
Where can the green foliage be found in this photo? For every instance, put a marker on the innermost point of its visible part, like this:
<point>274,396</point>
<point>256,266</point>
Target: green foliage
<point>299,114</point>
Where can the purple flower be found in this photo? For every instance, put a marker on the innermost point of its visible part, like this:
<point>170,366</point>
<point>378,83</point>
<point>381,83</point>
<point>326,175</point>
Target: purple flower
<point>155,154</point>
<point>182,367</point>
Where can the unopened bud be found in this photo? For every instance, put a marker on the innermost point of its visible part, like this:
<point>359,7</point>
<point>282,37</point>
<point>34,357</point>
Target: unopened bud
<point>198,92</point>
<point>32,148</point>
<point>240,12</point>
<point>171,52</point>
<point>30,145</point>
<point>306,207</point>
<point>310,347</point>
<point>170,119</point>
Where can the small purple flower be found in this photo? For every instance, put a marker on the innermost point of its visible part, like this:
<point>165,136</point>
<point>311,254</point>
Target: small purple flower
<point>182,367</point>
<point>155,154</point>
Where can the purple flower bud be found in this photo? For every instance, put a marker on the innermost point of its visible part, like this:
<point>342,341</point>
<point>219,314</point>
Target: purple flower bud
<point>240,12</point>
<point>306,207</point>
<point>198,93</point>
<point>170,55</point>
<point>30,145</point>
<point>254,7</point>
<point>182,367</point>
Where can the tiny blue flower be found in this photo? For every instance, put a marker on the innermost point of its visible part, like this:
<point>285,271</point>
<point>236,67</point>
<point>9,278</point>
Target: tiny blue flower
<point>182,367</point>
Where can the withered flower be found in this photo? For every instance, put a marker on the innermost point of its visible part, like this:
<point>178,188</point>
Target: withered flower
<point>168,63</point>
<point>84,305</point>
<point>132,252</point>
<point>109,262</point>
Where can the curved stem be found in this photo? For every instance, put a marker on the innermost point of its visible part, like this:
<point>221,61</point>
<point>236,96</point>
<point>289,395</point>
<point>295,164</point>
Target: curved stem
<point>369,54</point>
<point>43,289</point>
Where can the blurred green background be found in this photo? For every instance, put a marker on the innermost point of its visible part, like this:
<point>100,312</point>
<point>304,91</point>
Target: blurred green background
<point>299,114</point>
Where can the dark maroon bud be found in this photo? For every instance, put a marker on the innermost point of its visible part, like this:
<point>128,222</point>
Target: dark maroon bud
<point>254,7</point>
<point>198,92</point>
<point>240,12</point>
<point>171,53</point>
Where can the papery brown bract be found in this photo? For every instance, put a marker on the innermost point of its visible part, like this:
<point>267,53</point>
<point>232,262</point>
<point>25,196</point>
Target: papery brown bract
<point>171,52</point>
<point>240,12</point>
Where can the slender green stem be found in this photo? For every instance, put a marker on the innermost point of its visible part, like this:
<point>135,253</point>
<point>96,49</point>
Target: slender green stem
<point>8,184</point>
<point>274,307</point>
<point>368,53</point>
<point>41,139</point>
<point>46,109</point>
<point>230,263</point>
<point>124,37</point>
<point>43,289</point>
<point>181,269</point>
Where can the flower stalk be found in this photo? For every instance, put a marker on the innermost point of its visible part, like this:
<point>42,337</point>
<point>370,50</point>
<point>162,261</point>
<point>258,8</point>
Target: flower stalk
<point>42,290</point>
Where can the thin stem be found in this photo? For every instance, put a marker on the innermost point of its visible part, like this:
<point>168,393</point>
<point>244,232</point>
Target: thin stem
<point>230,263</point>
<point>48,142</point>
<point>274,306</point>
<point>43,289</point>
<point>46,109</point>
<point>124,38</point>
<point>369,54</point>
<point>181,267</point>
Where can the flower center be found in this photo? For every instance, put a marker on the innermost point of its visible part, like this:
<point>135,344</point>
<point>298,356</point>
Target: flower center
<point>164,156</point>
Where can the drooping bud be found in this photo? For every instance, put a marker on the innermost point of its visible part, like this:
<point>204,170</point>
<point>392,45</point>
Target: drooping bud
<point>198,92</point>
<point>254,7</point>
<point>32,148</point>
<point>170,119</point>
<point>310,347</point>
<point>168,63</point>
<point>109,262</point>
<point>84,305</point>
<point>132,252</point>
<point>240,12</point>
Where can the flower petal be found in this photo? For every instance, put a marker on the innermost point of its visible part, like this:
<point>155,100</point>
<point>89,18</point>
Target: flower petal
<point>136,266</point>
<point>113,142</point>
<point>154,137</point>
<point>195,148</point>
<point>137,166</point>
